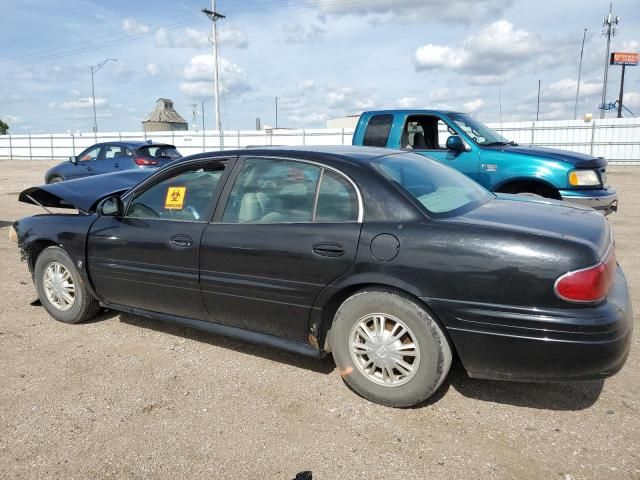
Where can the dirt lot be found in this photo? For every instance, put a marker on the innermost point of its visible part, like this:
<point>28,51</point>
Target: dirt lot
<point>128,397</point>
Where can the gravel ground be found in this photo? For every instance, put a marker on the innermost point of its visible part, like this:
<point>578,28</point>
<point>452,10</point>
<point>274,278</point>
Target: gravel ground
<point>124,396</point>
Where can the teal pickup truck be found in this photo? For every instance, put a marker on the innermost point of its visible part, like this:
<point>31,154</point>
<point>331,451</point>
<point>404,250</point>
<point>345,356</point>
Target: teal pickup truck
<point>464,143</point>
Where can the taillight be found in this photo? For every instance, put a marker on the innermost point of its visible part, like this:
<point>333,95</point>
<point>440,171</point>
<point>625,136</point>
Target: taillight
<point>145,161</point>
<point>588,284</point>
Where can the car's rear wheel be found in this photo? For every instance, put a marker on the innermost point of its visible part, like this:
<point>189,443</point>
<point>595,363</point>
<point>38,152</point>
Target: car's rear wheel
<point>389,349</point>
<point>55,180</point>
<point>60,288</point>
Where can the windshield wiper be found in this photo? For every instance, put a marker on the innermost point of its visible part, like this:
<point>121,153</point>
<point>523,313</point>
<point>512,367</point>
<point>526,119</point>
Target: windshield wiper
<point>491,144</point>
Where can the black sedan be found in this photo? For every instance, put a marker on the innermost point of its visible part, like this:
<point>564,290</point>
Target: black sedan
<point>391,262</point>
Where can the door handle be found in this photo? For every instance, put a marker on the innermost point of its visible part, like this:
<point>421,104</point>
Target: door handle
<point>181,241</point>
<point>89,169</point>
<point>328,249</point>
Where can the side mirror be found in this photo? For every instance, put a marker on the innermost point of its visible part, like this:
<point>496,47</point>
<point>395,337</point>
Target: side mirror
<point>455,143</point>
<point>110,207</point>
<point>73,159</point>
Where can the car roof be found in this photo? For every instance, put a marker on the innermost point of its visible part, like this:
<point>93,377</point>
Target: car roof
<point>411,111</point>
<point>341,153</point>
<point>133,144</point>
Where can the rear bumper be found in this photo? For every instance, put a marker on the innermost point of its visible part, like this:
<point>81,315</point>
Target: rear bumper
<point>605,201</point>
<point>507,343</point>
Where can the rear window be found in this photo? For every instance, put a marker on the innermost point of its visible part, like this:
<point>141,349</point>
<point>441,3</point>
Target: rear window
<point>377,132</point>
<point>442,191</point>
<point>162,152</point>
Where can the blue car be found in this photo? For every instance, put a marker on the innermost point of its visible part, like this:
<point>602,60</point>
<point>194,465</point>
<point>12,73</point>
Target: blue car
<point>113,157</point>
<point>460,141</point>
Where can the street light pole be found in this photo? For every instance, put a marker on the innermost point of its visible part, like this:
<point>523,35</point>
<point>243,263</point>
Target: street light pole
<point>94,69</point>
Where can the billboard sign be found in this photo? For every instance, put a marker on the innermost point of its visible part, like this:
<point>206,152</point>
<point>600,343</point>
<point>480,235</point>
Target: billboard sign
<point>624,58</point>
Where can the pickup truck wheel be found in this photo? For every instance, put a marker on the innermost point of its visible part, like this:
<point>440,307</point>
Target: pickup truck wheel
<point>388,349</point>
<point>61,289</point>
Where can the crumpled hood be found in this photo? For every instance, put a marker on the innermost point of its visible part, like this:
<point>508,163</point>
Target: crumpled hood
<point>580,160</point>
<point>84,193</point>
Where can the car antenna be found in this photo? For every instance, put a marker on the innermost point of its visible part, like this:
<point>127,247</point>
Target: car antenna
<point>500,117</point>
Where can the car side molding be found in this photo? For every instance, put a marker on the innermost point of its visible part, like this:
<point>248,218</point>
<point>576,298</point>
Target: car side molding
<point>292,346</point>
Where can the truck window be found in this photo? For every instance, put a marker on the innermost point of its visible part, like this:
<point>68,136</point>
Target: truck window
<point>425,132</point>
<point>377,132</point>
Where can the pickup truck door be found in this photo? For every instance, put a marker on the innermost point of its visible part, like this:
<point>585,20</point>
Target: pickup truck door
<point>427,135</point>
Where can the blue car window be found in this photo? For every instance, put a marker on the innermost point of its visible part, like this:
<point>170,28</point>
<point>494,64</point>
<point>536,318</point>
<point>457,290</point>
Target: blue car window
<point>89,155</point>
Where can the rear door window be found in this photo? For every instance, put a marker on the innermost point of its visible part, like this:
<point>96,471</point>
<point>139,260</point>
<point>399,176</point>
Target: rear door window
<point>337,200</point>
<point>273,191</point>
<point>378,129</point>
<point>112,151</point>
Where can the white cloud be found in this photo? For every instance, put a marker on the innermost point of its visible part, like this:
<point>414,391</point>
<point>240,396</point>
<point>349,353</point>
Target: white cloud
<point>466,11</point>
<point>131,25</point>
<point>631,100</point>
<point>565,90</point>
<point>408,102</point>
<point>12,119</point>
<point>194,38</point>
<point>474,106</point>
<point>198,78</point>
<point>296,33</point>
<point>79,103</point>
<point>152,69</point>
<point>492,55</point>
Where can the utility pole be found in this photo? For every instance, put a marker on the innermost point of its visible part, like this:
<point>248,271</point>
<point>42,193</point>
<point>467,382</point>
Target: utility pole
<point>214,16</point>
<point>202,110</point>
<point>276,112</point>
<point>609,29</point>
<point>94,69</point>
<point>538,109</point>
<point>194,116</point>
<point>621,92</point>
<point>575,107</point>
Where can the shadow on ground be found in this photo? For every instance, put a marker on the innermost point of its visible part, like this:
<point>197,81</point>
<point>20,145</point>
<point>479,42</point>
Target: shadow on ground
<point>324,366</point>
<point>545,396</point>
<point>5,223</point>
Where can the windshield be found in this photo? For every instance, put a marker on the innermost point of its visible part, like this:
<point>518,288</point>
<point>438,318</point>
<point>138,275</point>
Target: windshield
<point>478,131</point>
<point>442,191</point>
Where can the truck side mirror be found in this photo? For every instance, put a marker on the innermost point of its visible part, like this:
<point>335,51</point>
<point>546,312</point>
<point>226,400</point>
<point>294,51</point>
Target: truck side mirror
<point>73,159</point>
<point>455,143</point>
<point>110,207</point>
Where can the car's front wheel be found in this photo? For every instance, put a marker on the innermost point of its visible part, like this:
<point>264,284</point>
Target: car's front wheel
<point>389,349</point>
<point>60,288</point>
<point>54,180</point>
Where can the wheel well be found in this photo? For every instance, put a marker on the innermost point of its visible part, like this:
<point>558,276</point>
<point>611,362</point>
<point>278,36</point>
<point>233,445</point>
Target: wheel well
<point>35,249</point>
<point>331,307</point>
<point>530,186</point>
<point>52,176</point>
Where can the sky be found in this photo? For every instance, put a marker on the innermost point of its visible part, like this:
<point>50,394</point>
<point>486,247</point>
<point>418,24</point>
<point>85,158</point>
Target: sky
<point>323,59</point>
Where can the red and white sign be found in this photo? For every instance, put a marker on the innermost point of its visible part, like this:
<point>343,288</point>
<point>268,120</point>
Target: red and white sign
<point>624,58</point>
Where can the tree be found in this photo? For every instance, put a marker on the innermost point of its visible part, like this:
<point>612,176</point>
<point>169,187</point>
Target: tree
<point>4,128</point>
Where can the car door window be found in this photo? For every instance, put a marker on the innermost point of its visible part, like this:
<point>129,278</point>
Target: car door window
<point>273,191</point>
<point>424,132</point>
<point>90,155</point>
<point>337,199</point>
<point>186,196</point>
<point>112,151</point>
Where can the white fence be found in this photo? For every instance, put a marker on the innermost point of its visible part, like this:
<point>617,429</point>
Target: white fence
<point>618,140</point>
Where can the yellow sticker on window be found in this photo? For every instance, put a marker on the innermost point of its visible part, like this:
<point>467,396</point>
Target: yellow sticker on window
<point>175,198</point>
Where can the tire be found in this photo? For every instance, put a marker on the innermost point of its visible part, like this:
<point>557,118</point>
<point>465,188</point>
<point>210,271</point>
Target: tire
<point>55,273</point>
<point>429,366</point>
<point>55,180</point>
